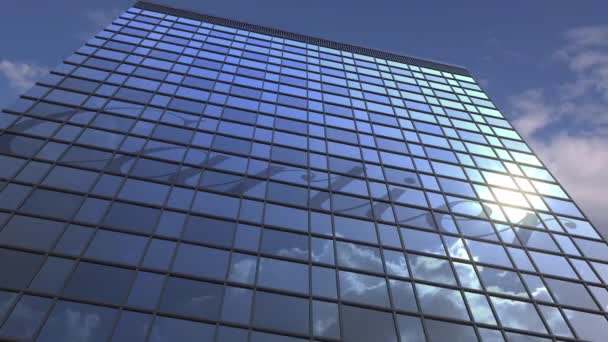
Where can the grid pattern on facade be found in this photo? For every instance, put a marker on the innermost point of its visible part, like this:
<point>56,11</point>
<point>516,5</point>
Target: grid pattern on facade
<point>177,179</point>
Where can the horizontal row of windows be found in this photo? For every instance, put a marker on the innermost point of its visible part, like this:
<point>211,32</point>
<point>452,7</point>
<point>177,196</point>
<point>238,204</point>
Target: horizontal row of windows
<point>109,185</point>
<point>113,141</point>
<point>165,255</point>
<point>320,183</point>
<point>261,40</point>
<point>225,143</point>
<point>424,122</point>
<point>267,81</point>
<point>286,123</point>
<point>112,285</point>
<point>403,193</point>
<point>30,126</point>
<point>243,120</point>
<point>116,325</point>
<point>358,188</point>
<point>253,105</point>
<point>183,136</point>
<point>429,134</point>
<point>67,206</point>
<point>295,69</point>
<point>248,69</point>
<point>174,45</point>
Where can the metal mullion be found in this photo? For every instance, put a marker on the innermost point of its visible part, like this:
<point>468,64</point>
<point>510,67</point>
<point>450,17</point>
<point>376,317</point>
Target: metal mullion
<point>373,217</point>
<point>446,250</point>
<point>421,315</point>
<point>258,257</point>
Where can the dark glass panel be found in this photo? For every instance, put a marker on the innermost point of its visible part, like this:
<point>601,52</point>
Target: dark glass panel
<point>25,318</point>
<point>270,313</point>
<point>237,305</point>
<point>18,268</point>
<point>285,244</point>
<point>191,298</point>
<point>31,232</point>
<point>171,329</point>
<point>116,247</point>
<point>201,261</point>
<point>146,290</point>
<point>71,321</point>
<point>74,240</point>
<point>363,325</point>
<point>132,327</point>
<point>207,230</point>
<point>100,283</point>
<point>284,275</point>
<point>52,275</point>
<point>52,203</point>
<point>131,217</point>
<point>445,331</point>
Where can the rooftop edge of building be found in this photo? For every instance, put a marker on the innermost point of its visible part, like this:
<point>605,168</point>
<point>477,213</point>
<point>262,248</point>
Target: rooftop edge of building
<point>185,13</point>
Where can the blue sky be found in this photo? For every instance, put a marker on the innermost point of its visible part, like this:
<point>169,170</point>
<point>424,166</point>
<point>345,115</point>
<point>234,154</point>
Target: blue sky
<point>544,63</point>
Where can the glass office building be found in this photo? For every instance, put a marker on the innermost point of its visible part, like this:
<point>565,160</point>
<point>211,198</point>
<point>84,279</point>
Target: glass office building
<point>183,177</point>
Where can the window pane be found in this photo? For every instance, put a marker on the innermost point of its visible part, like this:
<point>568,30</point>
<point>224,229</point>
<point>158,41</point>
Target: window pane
<point>325,319</point>
<point>573,294</point>
<point>116,247</point>
<point>359,257</point>
<point>271,310</point>
<point>518,315</point>
<point>67,315</point>
<point>171,329</point>
<point>131,217</point>
<point>285,244</point>
<point>502,281</point>
<point>363,289</point>
<point>237,305</point>
<point>422,241</point>
<point>25,318</point>
<point>52,275</point>
<point>410,329</point>
<point>284,275</point>
<point>588,326</point>
<point>18,268</point>
<point>432,269</point>
<point>441,301</point>
<point>363,325</point>
<point>444,331</point>
<point>146,290</point>
<point>100,283</point>
<point>207,230</point>
<point>132,326</point>
<point>191,298</point>
<point>201,261</point>
<point>31,232</point>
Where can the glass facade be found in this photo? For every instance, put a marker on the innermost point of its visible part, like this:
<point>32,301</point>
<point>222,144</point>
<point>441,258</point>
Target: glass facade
<point>188,178</point>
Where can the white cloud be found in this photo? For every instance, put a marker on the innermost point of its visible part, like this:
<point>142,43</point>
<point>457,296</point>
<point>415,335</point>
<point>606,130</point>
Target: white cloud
<point>567,124</point>
<point>97,19</point>
<point>534,113</point>
<point>102,17</point>
<point>586,54</point>
<point>21,76</point>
